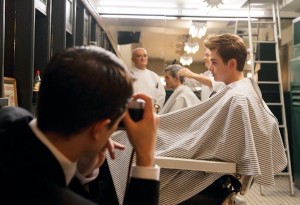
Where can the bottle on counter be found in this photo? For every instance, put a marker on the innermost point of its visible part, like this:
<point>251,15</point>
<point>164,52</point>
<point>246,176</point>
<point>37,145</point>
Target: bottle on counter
<point>36,86</point>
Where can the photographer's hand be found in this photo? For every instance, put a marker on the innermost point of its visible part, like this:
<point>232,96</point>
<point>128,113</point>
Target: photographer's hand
<point>88,163</point>
<point>142,134</point>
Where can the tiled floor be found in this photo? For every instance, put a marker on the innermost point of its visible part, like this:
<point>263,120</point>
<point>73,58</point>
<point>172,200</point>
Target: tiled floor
<point>278,195</point>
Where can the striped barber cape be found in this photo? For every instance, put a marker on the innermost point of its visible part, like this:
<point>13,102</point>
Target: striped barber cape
<point>234,125</point>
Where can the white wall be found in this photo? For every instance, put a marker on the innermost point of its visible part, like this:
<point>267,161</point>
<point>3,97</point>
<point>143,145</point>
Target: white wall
<point>125,51</point>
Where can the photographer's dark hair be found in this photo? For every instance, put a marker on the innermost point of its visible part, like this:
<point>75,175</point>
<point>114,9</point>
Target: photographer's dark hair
<point>81,86</point>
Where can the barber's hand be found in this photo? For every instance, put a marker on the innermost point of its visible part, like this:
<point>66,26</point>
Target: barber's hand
<point>142,134</point>
<point>88,163</point>
<point>185,72</point>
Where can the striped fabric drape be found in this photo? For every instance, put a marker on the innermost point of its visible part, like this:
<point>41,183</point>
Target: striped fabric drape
<point>234,125</point>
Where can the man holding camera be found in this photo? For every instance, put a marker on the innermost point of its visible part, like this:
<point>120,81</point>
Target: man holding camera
<point>83,97</point>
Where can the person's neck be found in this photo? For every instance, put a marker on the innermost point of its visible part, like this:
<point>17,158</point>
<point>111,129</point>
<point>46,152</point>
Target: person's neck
<point>240,76</point>
<point>141,68</point>
<point>177,86</point>
<point>70,146</point>
<point>236,78</point>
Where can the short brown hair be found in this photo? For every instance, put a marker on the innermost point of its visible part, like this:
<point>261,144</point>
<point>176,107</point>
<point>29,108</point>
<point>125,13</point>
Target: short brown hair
<point>228,46</point>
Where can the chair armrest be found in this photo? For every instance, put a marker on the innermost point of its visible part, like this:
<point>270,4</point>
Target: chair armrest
<point>196,165</point>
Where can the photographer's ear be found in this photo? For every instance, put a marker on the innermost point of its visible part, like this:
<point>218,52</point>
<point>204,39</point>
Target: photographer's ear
<point>99,127</point>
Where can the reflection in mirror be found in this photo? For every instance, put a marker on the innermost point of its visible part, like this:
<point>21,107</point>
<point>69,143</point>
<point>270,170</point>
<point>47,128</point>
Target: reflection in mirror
<point>130,33</point>
<point>164,38</point>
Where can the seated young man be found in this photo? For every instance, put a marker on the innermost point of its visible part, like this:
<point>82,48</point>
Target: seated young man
<point>234,125</point>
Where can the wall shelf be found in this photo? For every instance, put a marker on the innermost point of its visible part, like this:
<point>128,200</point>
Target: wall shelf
<point>37,29</point>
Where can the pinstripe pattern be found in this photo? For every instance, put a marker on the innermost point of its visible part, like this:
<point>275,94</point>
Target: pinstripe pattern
<point>235,125</point>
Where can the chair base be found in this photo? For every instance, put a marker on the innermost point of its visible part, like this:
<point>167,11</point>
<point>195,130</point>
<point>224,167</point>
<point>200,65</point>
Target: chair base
<point>222,192</point>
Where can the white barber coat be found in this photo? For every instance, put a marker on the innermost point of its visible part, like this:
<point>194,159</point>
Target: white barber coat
<point>149,83</point>
<point>234,125</point>
<point>181,97</point>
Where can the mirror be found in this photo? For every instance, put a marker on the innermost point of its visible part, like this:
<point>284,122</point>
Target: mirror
<point>164,38</point>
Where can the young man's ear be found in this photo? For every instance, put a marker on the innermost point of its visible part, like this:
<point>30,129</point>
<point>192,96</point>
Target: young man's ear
<point>232,63</point>
<point>99,127</point>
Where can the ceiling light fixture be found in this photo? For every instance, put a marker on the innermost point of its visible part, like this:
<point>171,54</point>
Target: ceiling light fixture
<point>198,29</point>
<point>186,60</point>
<point>138,17</point>
<point>191,47</point>
<point>213,3</point>
<point>136,10</point>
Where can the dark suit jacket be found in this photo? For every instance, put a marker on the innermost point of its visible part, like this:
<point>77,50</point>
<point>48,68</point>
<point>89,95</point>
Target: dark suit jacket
<point>102,191</point>
<point>30,174</point>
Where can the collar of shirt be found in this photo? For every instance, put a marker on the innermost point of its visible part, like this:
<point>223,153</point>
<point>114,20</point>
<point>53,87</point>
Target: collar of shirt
<point>135,69</point>
<point>68,166</point>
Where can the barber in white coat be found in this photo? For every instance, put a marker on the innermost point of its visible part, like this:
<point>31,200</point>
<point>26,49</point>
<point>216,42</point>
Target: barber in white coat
<point>146,81</point>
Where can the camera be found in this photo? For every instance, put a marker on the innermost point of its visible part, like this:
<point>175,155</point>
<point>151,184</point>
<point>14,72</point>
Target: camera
<point>135,109</point>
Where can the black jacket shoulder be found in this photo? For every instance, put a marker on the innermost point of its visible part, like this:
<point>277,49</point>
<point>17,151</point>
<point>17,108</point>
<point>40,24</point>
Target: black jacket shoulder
<point>12,116</point>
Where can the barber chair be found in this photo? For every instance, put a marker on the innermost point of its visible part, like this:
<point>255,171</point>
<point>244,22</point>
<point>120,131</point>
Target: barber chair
<point>233,182</point>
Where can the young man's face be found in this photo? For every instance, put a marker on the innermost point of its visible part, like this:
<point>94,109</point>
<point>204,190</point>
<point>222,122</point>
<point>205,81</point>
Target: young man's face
<point>219,69</point>
<point>171,82</point>
<point>140,58</point>
<point>206,58</point>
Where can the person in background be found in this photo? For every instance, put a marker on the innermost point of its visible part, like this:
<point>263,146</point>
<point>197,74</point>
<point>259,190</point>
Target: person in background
<point>83,97</point>
<point>147,81</point>
<point>204,80</point>
<point>182,95</point>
